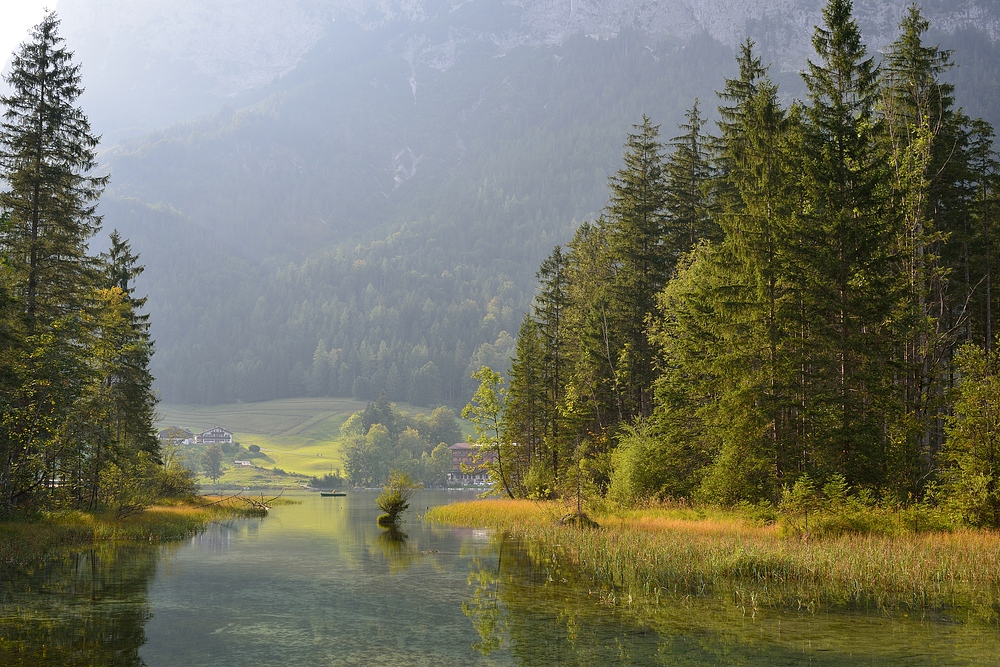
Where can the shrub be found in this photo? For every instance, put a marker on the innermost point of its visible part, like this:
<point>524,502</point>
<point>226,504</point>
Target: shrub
<point>395,497</point>
<point>971,457</point>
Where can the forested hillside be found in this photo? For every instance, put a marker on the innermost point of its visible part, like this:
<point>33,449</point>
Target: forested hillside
<point>437,265</point>
<point>434,152</point>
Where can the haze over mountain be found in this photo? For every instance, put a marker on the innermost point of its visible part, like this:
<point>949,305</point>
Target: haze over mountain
<point>344,197</point>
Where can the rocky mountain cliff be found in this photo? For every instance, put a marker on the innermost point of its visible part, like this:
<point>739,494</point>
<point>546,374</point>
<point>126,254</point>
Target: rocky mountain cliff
<point>163,61</point>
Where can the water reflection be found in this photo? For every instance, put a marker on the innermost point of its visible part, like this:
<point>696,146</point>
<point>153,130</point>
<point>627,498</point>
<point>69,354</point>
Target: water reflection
<point>217,538</point>
<point>321,583</point>
<point>84,607</point>
<point>392,543</point>
<point>484,608</point>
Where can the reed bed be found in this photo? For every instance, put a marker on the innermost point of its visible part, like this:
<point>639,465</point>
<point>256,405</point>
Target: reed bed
<point>648,555</point>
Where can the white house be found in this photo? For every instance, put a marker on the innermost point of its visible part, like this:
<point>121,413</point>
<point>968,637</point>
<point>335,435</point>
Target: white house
<point>214,436</point>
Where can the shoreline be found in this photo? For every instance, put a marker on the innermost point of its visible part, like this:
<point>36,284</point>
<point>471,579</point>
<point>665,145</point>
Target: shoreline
<point>645,556</point>
<point>24,540</point>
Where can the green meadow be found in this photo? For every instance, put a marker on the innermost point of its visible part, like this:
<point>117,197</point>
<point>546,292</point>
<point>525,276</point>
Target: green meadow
<point>300,436</point>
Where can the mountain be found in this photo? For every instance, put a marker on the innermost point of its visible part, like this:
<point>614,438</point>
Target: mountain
<point>348,196</point>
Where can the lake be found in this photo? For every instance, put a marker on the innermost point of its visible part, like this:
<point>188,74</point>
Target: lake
<point>319,583</point>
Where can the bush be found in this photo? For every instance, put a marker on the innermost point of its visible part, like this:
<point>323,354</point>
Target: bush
<point>129,488</point>
<point>836,510</point>
<point>538,482</point>
<point>650,466</point>
<point>395,497</point>
<point>177,481</point>
<point>971,456</point>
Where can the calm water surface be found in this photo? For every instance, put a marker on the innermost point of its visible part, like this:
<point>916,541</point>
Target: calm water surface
<point>319,583</point>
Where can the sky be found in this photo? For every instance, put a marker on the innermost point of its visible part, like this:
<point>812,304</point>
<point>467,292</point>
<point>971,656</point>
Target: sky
<point>16,18</point>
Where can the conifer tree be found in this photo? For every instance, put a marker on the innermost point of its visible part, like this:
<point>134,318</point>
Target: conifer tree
<point>525,413</point>
<point>550,312</point>
<point>980,187</point>
<point>756,299</point>
<point>636,226</point>
<point>47,154</point>
<point>592,403</point>
<point>850,291</point>
<point>126,375</point>
<point>688,172</point>
<point>926,140</point>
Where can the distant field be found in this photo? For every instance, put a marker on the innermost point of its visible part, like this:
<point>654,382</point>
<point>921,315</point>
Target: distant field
<point>300,435</point>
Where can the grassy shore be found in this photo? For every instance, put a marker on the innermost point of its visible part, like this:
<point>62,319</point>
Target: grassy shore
<point>643,555</point>
<point>27,540</point>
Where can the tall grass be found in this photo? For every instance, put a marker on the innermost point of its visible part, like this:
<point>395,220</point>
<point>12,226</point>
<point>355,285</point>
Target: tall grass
<point>26,540</point>
<point>648,554</point>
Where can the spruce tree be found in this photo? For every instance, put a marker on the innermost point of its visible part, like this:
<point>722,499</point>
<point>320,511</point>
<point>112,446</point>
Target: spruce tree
<point>688,171</point>
<point>981,187</point>
<point>51,198</point>
<point>525,413</point>
<point>850,291</point>
<point>926,150</point>
<point>550,311</point>
<point>636,225</point>
<point>592,403</point>
<point>47,155</point>
<point>756,299</point>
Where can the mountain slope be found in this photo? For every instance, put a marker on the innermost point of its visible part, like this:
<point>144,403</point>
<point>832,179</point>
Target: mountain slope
<point>369,184</point>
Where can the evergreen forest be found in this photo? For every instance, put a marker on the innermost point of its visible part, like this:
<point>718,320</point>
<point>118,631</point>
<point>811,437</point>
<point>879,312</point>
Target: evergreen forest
<point>799,299</point>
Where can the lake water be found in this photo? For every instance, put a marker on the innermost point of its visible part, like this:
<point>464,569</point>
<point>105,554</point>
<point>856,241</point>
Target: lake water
<point>319,583</point>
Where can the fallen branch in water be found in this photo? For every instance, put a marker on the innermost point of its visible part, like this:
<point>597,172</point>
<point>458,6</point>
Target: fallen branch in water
<point>254,506</point>
<point>258,504</point>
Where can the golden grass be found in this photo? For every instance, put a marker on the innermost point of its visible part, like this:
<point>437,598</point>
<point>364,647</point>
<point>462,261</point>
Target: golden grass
<point>648,554</point>
<point>23,541</point>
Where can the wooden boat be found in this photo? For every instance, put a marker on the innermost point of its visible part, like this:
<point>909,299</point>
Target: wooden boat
<point>328,494</point>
